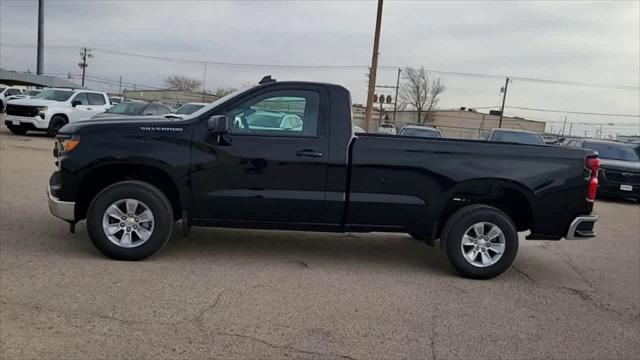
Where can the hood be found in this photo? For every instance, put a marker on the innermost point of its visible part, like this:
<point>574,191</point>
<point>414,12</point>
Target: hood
<point>620,165</point>
<point>35,102</point>
<point>112,121</point>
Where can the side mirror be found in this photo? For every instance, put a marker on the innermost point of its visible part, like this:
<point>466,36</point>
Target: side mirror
<point>75,103</point>
<point>218,124</point>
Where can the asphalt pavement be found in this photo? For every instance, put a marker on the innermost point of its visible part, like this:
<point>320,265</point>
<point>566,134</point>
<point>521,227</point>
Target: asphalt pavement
<point>237,294</point>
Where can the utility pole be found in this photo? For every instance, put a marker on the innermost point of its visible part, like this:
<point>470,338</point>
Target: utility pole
<point>85,53</point>
<point>570,128</point>
<point>374,68</point>
<point>204,81</point>
<point>564,124</point>
<point>120,87</point>
<point>504,98</point>
<point>39,67</point>
<point>395,103</point>
<point>600,137</point>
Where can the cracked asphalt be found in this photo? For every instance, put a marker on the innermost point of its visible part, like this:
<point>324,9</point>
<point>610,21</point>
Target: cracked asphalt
<point>237,294</point>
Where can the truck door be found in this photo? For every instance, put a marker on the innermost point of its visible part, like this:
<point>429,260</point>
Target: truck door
<point>272,167</point>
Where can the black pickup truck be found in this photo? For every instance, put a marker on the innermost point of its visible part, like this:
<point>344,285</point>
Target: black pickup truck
<point>283,155</point>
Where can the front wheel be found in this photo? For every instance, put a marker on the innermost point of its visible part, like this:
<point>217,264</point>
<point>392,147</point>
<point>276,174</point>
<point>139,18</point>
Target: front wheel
<point>55,124</point>
<point>17,130</point>
<point>130,220</point>
<point>481,241</point>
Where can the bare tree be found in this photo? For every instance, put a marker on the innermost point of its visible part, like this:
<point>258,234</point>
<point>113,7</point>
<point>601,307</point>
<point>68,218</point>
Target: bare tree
<point>179,82</point>
<point>417,92</point>
<point>437,88</point>
<point>224,91</point>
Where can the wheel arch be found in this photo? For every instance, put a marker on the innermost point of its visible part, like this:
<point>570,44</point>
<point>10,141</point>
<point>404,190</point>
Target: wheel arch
<point>99,177</point>
<point>513,198</point>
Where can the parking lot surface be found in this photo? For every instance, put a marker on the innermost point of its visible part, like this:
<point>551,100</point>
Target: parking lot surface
<point>224,293</point>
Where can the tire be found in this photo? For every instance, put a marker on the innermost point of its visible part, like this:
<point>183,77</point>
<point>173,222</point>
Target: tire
<point>148,197</point>
<point>17,130</point>
<point>55,124</point>
<point>488,262</point>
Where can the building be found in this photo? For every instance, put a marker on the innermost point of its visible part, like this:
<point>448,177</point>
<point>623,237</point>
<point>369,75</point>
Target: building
<point>169,96</point>
<point>466,123</point>
<point>24,79</point>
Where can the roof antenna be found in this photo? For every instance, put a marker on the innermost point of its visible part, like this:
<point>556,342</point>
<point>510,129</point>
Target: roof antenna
<point>267,79</point>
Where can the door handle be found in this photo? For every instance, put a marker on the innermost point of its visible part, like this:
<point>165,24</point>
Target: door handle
<point>88,108</point>
<point>309,153</point>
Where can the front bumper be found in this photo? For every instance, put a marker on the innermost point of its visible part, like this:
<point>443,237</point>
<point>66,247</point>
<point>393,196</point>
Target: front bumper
<point>35,121</point>
<point>64,210</point>
<point>582,227</point>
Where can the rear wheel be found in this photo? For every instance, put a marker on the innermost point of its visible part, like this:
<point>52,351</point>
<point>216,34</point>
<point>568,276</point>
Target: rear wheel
<point>55,124</point>
<point>481,241</point>
<point>17,129</point>
<point>130,220</point>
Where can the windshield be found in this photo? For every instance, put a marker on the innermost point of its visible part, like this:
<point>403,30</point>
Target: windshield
<point>55,95</point>
<point>127,108</point>
<point>517,137</point>
<point>2,88</point>
<point>427,133</point>
<point>612,151</point>
<point>187,109</point>
<point>220,101</point>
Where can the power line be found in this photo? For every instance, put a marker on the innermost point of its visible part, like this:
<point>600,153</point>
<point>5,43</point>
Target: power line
<point>334,67</point>
<point>573,112</point>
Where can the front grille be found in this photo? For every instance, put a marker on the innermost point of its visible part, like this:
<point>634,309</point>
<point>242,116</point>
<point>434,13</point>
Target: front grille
<point>626,177</point>
<point>22,110</point>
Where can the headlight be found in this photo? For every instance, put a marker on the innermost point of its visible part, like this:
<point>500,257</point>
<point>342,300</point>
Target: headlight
<point>70,144</point>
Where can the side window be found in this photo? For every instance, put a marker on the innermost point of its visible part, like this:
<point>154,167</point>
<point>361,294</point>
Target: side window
<point>82,97</point>
<point>96,99</point>
<point>278,113</point>
<point>163,110</point>
<point>13,92</point>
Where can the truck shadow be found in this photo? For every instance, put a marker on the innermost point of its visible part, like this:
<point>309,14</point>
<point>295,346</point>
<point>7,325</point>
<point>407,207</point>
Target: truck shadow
<point>385,251</point>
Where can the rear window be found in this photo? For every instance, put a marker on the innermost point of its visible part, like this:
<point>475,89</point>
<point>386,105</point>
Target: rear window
<point>427,133</point>
<point>517,137</point>
<point>96,99</point>
<point>612,151</point>
<point>127,108</point>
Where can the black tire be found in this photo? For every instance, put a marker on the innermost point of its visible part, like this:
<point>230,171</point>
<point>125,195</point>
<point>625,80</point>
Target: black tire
<point>152,197</point>
<point>55,124</point>
<point>463,219</point>
<point>18,130</point>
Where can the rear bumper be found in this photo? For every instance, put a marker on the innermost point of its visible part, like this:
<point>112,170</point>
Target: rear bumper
<point>582,227</point>
<point>64,210</point>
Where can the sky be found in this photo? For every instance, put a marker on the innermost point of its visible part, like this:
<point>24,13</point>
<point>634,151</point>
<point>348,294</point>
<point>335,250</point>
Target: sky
<point>565,41</point>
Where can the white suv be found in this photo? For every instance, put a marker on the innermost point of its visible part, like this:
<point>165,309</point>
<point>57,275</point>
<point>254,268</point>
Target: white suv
<point>5,93</point>
<point>52,109</point>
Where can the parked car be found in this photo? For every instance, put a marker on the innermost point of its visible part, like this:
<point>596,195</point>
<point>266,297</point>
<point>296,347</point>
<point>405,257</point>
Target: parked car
<point>5,93</point>
<point>420,131</point>
<point>516,136</point>
<point>619,173</point>
<point>133,108</point>
<point>26,94</point>
<point>52,109</point>
<point>387,129</point>
<point>233,164</point>
<point>358,129</point>
<point>189,108</point>
<point>115,100</point>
